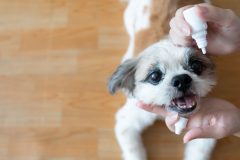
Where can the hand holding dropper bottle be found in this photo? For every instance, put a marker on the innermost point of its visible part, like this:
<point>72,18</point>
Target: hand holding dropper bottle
<point>199,28</point>
<point>199,34</point>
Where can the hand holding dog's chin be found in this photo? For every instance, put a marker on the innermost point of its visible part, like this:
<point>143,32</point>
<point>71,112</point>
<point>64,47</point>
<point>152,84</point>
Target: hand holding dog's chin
<point>216,119</point>
<point>152,108</point>
<point>223,29</point>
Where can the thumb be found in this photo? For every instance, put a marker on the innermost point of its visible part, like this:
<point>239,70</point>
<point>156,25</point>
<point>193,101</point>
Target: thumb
<point>170,120</point>
<point>209,13</point>
<point>195,133</point>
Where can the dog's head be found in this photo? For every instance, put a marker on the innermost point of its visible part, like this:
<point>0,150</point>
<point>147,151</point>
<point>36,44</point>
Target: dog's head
<point>166,75</point>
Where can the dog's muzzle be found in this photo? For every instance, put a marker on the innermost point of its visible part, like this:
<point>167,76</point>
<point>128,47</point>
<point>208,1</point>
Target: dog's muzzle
<point>185,104</point>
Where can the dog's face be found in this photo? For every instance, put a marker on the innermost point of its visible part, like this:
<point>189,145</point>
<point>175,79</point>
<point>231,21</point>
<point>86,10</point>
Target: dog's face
<point>166,75</point>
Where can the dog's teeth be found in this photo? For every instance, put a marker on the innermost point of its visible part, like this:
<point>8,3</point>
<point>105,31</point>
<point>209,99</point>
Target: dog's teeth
<point>189,106</point>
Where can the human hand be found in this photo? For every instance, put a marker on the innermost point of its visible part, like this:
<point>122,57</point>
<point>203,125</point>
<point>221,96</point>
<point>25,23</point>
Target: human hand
<point>216,119</point>
<point>223,29</point>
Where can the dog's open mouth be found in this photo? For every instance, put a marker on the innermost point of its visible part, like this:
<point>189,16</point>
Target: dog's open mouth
<point>184,104</point>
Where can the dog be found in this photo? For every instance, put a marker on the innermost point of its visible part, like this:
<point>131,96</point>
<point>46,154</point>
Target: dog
<point>155,71</point>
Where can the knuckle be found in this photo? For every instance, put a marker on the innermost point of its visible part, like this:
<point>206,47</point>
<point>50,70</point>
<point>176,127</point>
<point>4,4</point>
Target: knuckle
<point>171,23</point>
<point>231,16</point>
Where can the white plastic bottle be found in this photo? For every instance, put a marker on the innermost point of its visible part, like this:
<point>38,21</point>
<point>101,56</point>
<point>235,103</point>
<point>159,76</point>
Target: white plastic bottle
<point>180,125</point>
<point>199,28</point>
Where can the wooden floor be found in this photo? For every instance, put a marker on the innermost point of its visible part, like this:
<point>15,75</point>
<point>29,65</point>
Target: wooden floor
<point>55,59</point>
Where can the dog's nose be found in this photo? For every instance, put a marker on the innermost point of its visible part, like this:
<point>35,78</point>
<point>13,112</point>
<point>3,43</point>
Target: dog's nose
<point>182,82</point>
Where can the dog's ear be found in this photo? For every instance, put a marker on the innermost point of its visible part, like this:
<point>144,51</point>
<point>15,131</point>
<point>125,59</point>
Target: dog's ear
<point>123,77</point>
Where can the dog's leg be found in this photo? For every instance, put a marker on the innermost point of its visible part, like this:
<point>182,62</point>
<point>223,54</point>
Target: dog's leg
<point>129,26</point>
<point>199,149</point>
<point>136,18</point>
<point>131,121</point>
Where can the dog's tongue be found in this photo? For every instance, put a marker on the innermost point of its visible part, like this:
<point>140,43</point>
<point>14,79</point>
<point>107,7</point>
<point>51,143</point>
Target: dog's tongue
<point>186,101</point>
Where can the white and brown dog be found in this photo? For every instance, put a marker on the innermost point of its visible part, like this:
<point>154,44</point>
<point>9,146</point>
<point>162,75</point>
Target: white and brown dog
<point>162,74</point>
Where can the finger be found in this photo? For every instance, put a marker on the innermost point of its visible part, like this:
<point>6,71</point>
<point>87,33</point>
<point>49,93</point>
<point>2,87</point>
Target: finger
<point>195,133</point>
<point>181,24</point>
<point>160,110</point>
<point>178,31</point>
<point>179,40</point>
<point>209,13</point>
<point>171,120</point>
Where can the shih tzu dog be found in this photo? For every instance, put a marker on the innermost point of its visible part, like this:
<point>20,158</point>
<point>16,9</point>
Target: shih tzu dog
<point>162,74</point>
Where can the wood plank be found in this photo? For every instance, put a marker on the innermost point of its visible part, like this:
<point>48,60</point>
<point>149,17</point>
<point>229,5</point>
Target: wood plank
<point>55,59</point>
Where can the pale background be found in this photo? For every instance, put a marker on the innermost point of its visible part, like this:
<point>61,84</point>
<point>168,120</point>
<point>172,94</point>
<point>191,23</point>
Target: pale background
<point>55,59</point>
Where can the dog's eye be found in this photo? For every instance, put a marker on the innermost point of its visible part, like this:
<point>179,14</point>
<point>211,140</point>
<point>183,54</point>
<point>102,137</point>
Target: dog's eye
<point>197,67</point>
<point>154,77</point>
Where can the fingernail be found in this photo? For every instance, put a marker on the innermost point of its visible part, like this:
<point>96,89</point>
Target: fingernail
<point>185,141</point>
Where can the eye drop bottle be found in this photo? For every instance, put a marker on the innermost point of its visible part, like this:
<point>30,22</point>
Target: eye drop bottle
<point>199,28</point>
<point>180,125</point>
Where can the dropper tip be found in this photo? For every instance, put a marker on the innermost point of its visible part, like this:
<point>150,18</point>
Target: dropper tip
<point>204,50</point>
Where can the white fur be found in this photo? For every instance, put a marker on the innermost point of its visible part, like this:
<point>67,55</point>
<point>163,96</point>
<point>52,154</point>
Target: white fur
<point>130,120</point>
<point>135,19</point>
<point>199,149</point>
